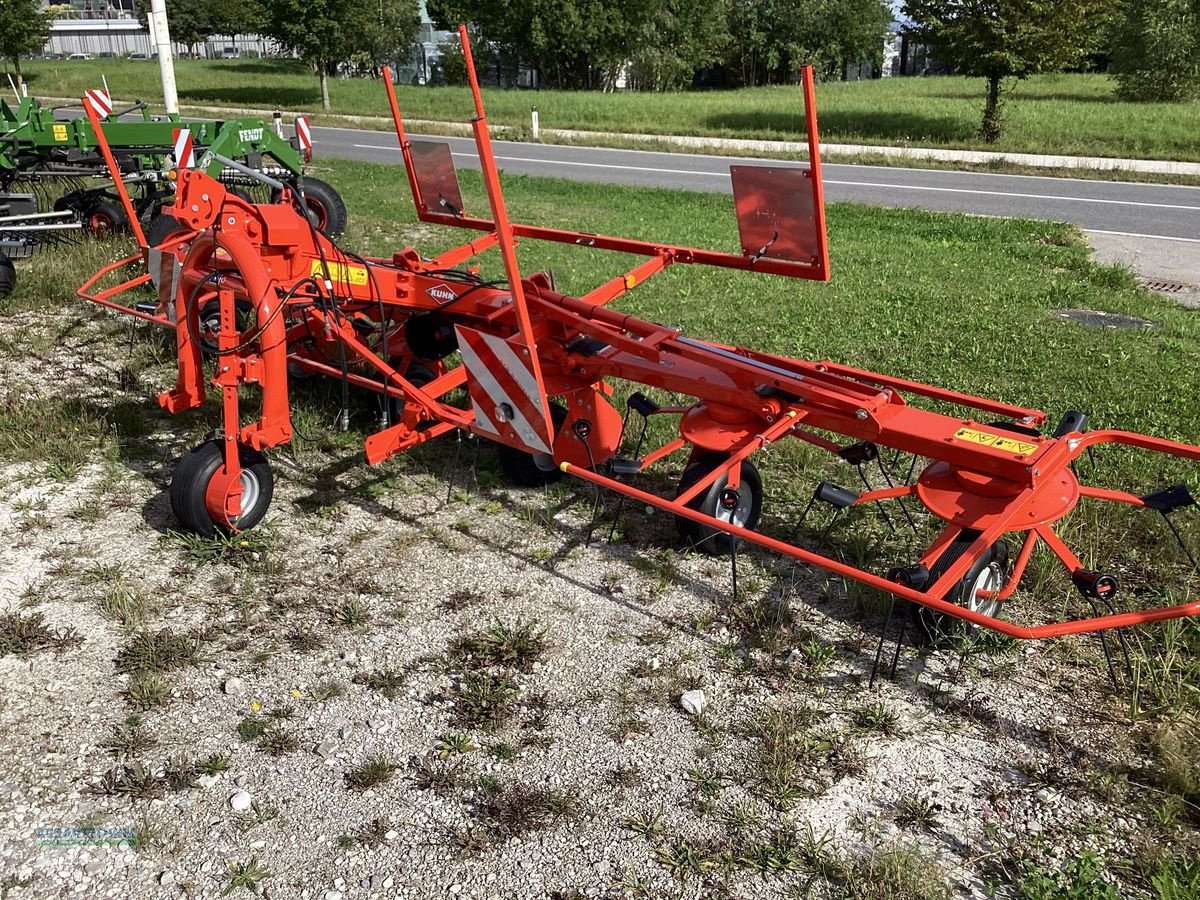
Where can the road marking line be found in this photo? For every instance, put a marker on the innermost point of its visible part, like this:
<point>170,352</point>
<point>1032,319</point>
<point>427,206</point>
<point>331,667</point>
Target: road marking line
<point>1157,237</point>
<point>767,159</point>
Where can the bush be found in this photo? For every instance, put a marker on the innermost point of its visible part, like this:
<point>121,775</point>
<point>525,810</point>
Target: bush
<point>1156,50</point>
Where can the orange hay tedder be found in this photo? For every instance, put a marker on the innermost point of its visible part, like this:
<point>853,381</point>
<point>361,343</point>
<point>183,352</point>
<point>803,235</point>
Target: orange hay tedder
<point>258,290</point>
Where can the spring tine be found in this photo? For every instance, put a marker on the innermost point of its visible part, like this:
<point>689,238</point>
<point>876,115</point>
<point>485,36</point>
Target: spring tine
<point>904,620</point>
<point>453,471</point>
<point>1179,539</point>
<point>829,527</point>
<point>900,500</point>
<point>612,533</point>
<point>882,638</point>
<point>879,503</point>
<point>1120,632</point>
<point>1112,672</point>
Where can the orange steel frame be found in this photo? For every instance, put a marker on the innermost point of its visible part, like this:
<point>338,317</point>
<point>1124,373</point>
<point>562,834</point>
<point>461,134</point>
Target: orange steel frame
<point>314,305</point>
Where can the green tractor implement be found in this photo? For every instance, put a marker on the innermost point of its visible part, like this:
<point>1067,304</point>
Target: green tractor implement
<point>58,160</point>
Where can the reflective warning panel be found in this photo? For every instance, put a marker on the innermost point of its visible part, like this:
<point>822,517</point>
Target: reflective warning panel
<point>436,178</point>
<point>775,213</point>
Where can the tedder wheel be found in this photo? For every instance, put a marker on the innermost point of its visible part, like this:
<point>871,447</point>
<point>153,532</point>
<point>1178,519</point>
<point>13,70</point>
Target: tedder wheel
<point>8,276</point>
<point>105,218</point>
<point>987,574</point>
<point>162,227</point>
<point>742,510</point>
<point>191,478</point>
<point>326,209</point>
<point>533,469</point>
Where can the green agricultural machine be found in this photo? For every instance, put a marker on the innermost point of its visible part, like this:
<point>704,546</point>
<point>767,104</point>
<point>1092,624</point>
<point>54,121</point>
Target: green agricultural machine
<point>59,161</point>
<point>54,181</point>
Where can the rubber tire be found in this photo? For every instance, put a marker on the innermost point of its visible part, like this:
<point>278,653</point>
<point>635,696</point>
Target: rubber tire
<point>112,212</point>
<point>420,375</point>
<point>191,478</point>
<point>326,207</point>
<point>162,227</point>
<point>932,628</point>
<point>8,276</point>
<point>703,537</point>
<point>532,469</point>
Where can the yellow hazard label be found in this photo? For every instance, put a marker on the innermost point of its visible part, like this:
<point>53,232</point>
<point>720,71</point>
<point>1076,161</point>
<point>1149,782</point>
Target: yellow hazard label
<point>995,441</point>
<point>59,132</point>
<point>340,272</point>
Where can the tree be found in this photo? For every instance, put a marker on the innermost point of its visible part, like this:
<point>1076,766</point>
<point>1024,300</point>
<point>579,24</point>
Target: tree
<point>1156,50</point>
<point>1007,39</point>
<point>190,21</point>
<point>771,39</point>
<point>588,43</point>
<point>23,29</point>
<point>326,32</point>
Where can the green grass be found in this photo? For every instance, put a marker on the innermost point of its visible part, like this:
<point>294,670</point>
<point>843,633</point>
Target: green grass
<point>1071,114</point>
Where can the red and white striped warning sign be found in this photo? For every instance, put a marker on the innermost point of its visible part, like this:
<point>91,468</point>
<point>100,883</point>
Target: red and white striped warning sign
<point>99,101</point>
<point>185,157</point>
<point>304,136</point>
<point>504,390</point>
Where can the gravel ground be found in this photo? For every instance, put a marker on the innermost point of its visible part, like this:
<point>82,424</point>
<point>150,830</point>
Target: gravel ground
<point>341,626</point>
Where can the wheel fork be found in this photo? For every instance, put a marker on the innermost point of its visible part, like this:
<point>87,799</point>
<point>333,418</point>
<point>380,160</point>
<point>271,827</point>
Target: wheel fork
<point>224,494</point>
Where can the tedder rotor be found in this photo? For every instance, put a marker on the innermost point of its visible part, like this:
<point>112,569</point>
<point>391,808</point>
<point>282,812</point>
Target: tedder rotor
<point>536,367</point>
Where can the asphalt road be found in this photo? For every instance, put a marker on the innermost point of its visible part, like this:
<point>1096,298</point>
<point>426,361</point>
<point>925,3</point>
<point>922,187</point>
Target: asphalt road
<point>1123,208</point>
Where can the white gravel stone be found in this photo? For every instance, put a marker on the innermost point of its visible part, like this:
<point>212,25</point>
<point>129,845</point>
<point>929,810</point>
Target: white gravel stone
<point>241,801</point>
<point>234,685</point>
<point>693,702</point>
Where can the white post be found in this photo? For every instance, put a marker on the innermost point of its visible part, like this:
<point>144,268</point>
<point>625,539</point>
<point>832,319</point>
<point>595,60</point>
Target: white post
<point>160,35</point>
<point>534,130</point>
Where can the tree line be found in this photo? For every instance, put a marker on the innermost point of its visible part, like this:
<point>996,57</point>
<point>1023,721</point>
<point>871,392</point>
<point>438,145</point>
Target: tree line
<point>1152,46</point>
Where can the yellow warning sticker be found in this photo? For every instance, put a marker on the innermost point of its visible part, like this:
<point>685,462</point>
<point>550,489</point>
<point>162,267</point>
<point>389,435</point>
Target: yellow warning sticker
<point>340,272</point>
<point>995,441</point>
<point>59,132</point>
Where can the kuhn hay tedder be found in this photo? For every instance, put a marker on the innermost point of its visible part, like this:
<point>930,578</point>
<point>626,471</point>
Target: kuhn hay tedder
<point>535,367</point>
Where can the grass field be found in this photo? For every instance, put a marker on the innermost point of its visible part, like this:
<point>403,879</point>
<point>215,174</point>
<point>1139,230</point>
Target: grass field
<point>957,301</point>
<point>1067,114</point>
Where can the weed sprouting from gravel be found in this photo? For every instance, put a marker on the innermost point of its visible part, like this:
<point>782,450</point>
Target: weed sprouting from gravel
<point>158,651</point>
<point>916,812</point>
<point>512,810</point>
<point>623,776</point>
<point>305,641</point>
<point>147,690</point>
<point>648,824</point>
<point>387,682</point>
<point>135,780</point>
<point>251,728</point>
<point>684,859</point>
<point>258,814</point>
<point>213,764</point>
<point>460,600</point>
<point>449,744</point>
<point>243,548</point>
<point>352,613</point>
<point>517,646</point>
<point>483,699</point>
<point>323,691</point>
<point>128,738</point>
<point>246,875</point>
<point>434,772</point>
<point>786,750</point>
<point>277,742</point>
<point>877,717</point>
<point>375,771</point>
<point>23,634</point>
